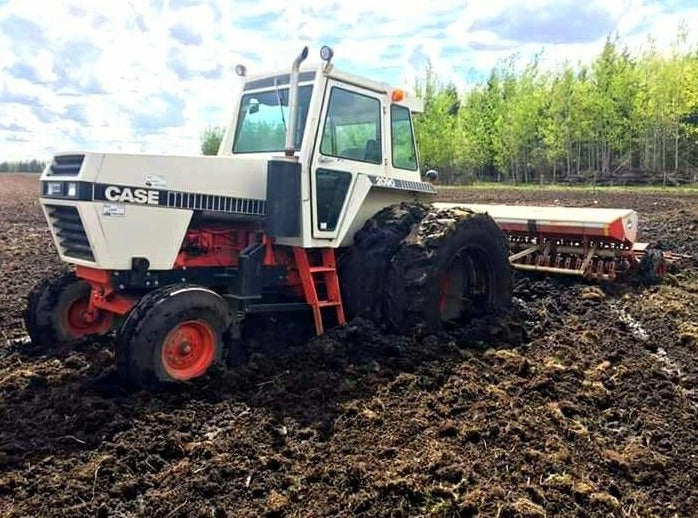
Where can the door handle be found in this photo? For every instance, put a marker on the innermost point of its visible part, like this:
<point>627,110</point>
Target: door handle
<point>326,159</point>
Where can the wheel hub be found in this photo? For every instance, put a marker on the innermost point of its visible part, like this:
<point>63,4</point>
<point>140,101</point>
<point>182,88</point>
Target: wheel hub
<point>188,350</point>
<point>81,322</point>
<point>462,285</point>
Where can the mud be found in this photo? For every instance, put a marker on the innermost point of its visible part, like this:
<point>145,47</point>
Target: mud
<point>580,402</point>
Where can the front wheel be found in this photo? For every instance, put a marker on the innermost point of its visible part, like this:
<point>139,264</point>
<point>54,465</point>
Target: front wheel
<point>56,312</point>
<point>173,334</point>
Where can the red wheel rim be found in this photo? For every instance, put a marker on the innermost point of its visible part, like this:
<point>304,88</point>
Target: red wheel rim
<point>78,326</point>
<point>662,268</point>
<point>188,350</point>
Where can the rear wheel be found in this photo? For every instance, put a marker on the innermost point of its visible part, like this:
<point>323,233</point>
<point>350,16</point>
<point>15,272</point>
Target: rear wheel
<point>453,266</point>
<point>56,312</point>
<point>173,334</point>
<point>364,266</point>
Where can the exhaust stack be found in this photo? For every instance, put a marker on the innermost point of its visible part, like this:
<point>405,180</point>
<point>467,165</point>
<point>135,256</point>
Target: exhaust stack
<point>290,148</point>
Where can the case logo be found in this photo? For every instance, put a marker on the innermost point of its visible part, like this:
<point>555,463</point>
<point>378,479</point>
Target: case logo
<point>127,194</point>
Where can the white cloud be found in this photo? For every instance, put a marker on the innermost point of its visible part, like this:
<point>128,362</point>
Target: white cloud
<point>149,76</point>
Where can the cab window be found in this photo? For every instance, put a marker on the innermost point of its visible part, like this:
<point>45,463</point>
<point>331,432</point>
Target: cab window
<point>262,120</point>
<point>352,127</point>
<point>402,138</point>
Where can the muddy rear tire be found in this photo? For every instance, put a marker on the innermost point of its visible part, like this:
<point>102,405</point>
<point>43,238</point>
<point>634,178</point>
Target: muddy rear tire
<point>55,310</point>
<point>174,334</point>
<point>364,266</point>
<point>451,267</point>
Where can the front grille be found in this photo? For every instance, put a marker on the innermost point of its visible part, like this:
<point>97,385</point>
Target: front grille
<point>66,165</point>
<point>70,232</point>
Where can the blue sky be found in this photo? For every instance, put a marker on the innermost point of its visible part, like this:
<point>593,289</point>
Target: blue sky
<point>137,76</point>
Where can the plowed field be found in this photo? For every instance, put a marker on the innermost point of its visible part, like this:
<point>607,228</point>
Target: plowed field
<point>580,402</point>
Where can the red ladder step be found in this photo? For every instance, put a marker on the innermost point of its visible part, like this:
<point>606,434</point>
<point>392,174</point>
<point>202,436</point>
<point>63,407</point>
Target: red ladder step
<point>327,273</point>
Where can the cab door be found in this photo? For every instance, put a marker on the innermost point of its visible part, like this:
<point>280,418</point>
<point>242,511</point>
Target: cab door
<point>350,141</point>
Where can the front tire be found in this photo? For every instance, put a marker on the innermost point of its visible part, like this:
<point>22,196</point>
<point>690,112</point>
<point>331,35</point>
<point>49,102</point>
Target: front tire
<point>55,312</point>
<point>174,334</point>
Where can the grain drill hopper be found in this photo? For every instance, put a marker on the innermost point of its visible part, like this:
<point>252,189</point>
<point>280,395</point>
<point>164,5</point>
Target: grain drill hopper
<point>593,243</point>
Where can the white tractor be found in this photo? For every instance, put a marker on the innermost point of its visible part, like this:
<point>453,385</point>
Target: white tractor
<point>315,203</point>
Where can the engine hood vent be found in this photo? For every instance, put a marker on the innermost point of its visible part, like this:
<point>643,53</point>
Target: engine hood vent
<point>70,232</point>
<point>66,165</point>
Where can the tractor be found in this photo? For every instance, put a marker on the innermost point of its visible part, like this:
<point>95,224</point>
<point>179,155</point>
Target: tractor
<point>314,204</point>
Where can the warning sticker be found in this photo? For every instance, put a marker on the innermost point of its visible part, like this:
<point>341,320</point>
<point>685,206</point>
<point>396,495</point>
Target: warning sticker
<point>113,210</point>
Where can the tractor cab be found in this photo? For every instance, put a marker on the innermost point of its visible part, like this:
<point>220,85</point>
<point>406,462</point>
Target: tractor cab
<point>336,144</point>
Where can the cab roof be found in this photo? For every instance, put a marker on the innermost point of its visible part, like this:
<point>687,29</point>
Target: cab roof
<point>308,73</point>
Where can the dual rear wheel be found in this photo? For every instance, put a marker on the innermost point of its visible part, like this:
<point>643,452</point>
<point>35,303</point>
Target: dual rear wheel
<point>415,267</point>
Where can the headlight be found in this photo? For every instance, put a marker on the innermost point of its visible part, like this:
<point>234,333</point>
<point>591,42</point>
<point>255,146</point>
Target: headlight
<point>72,190</point>
<point>54,189</point>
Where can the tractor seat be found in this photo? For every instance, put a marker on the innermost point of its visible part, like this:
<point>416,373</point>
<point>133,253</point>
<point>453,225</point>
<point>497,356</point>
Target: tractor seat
<point>373,152</point>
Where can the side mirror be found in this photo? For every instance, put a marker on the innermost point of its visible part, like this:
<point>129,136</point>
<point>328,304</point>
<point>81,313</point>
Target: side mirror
<point>254,106</point>
<point>432,175</point>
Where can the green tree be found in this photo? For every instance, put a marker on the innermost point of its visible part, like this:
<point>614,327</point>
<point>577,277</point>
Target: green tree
<point>211,140</point>
<point>625,116</point>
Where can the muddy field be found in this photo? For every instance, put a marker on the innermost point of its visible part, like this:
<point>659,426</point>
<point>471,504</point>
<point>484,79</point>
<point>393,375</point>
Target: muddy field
<point>579,403</point>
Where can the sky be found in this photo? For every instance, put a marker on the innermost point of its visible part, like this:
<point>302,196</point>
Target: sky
<point>139,76</point>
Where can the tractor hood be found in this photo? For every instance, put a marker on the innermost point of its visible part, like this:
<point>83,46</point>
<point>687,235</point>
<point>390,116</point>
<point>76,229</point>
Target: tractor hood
<point>104,209</point>
<point>123,178</point>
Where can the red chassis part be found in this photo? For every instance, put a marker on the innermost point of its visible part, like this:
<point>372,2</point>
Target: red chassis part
<point>210,246</point>
<point>222,245</point>
<point>103,297</point>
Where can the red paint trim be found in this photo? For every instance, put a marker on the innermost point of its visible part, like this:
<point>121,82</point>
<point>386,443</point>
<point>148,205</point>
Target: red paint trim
<point>93,275</point>
<point>614,232</point>
<point>211,246</point>
<point>79,321</point>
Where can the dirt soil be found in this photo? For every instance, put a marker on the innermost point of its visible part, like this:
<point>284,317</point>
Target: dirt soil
<point>580,402</point>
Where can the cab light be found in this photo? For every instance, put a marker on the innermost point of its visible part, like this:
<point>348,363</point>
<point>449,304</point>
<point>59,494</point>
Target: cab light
<point>398,95</point>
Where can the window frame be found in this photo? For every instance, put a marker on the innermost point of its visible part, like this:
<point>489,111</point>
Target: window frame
<point>414,142</point>
<point>327,119</point>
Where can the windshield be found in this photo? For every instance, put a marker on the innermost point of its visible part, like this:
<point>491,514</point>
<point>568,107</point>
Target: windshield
<point>263,117</point>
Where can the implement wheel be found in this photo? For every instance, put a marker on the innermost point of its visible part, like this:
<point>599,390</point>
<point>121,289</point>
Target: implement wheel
<point>173,334</point>
<point>56,312</point>
<point>653,267</point>
<point>453,266</point>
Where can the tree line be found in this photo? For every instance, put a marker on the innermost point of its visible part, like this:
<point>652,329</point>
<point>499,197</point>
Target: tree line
<point>624,118</point>
<point>25,166</point>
